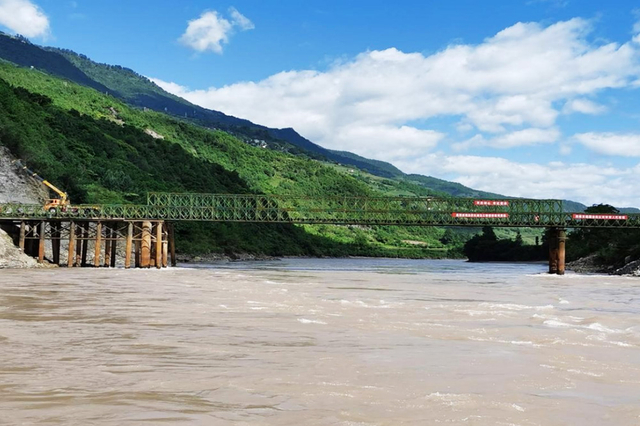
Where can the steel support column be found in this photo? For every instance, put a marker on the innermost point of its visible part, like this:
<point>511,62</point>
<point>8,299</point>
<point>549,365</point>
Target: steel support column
<point>85,245</point>
<point>55,242</point>
<point>138,254</point>
<point>114,244</point>
<point>562,238</point>
<point>79,244</point>
<point>158,250</point>
<point>23,230</point>
<point>129,244</point>
<point>145,255</point>
<point>41,237</point>
<point>553,250</point>
<point>98,247</point>
<point>107,244</point>
<point>72,245</point>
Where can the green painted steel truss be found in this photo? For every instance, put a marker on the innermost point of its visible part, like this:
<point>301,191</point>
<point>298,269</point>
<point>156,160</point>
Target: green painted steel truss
<point>405,211</point>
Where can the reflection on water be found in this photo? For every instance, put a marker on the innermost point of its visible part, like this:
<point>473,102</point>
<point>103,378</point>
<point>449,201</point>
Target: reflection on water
<point>319,342</point>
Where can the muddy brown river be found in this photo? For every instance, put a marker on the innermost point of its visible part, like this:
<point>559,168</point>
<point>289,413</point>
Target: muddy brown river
<point>319,342</point>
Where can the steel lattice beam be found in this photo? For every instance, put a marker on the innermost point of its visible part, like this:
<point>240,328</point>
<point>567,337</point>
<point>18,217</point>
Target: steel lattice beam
<point>405,211</point>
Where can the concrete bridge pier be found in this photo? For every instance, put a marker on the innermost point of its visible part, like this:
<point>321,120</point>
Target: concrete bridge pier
<point>557,238</point>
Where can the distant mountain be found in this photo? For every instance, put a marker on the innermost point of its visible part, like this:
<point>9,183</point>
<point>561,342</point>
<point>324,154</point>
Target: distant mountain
<point>22,52</point>
<point>378,168</point>
<point>385,169</point>
<point>628,210</point>
<point>453,188</point>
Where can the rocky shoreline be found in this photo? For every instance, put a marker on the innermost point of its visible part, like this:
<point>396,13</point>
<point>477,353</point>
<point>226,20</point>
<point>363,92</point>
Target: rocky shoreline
<point>589,265</point>
<point>12,257</point>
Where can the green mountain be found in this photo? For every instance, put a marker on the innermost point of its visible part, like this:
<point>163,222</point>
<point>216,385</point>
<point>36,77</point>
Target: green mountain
<point>21,51</point>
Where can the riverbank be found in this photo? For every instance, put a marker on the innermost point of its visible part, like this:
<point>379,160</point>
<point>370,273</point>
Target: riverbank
<point>12,257</point>
<point>590,265</point>
<point>218,257</point>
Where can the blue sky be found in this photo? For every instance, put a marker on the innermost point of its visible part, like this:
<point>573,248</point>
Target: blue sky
<point>533,98</point>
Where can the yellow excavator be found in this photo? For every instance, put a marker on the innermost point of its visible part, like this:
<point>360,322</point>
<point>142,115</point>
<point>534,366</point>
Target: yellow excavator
<point>51,205</point>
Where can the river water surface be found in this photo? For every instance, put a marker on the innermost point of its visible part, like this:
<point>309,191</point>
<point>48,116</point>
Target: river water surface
<point>319,342</point>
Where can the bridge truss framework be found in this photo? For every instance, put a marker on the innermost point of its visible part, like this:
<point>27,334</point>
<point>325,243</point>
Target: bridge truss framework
<point>146,231</point>
<point>396,211</point>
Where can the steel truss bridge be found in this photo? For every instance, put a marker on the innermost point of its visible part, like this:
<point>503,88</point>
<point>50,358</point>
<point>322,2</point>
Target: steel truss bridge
<point>366,211</point>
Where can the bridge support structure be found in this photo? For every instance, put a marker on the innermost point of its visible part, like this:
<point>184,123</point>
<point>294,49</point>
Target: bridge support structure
<point>94,243</point>
<point>557,238</point>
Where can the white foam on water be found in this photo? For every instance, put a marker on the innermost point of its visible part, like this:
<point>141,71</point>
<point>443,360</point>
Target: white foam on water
<point>361,304</point>
<point>584,373</point>
<point>517,407</point>
<point>466,419</point>
<point>623,344</point>
<point>308,321</point>
<point>563,302</point>
<point>333,384</point>
<point>523,343</point>
<point>476,313</point>
<point>449,399</point>
<point>347,395</point>
<point>557,324</point>
<point>515,307</point>
<point>599,327</point>
<point>507,342</point>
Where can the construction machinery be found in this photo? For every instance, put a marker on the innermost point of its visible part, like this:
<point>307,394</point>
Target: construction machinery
<point>52,205</point>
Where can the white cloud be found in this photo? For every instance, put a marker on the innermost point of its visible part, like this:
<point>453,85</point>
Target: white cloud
<point>415,142</point>
<point>24,17</point>
<point>587,183</point>
<point>583,106</point>
<point>240,20</point>
<point>621,144</point>
<point>210,31</point>
<point>513,84</point>
<point>526,137</point>
<point>531,136</point>
<point>171,87</point>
